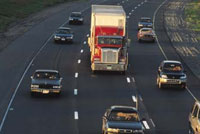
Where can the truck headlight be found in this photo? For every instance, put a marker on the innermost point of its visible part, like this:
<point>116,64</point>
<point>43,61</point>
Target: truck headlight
<point>57,87</point>
<point>164,76</point>
<point>112,130</point>
<point>34,86</point>
<point>183,77</point>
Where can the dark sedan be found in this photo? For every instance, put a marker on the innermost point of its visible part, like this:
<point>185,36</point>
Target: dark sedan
<point>46,82</point>
<point>63,34</point>
<point>122,120</point>
<point>145,22</point>
<point>171,73</point>
<point>76,18</point>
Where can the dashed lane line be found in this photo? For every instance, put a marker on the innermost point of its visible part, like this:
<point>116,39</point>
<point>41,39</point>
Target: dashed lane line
<point>76,75</point>
<point>145,124</point>
<point>128,79</point>
<point>134,99</point>
<point>76,115</point>
<point>133,79</point>
<point>152,123</point>
<point>75,91</point>
<point>81,50</point>
<point>79,61</point>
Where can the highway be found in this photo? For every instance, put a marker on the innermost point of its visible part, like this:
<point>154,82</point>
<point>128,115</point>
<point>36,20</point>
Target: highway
<point>86,96</point>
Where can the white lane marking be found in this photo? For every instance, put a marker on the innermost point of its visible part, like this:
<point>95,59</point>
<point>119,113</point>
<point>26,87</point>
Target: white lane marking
<point>132,11</point>
<point>154,16</point>
<point>76,115</point>
<point>79,61</point>
<point>11,109</point>
<point>134,99</point>
<point>133,79</point>
<point>135,7</point>
<point>128,79</point>
<point>140,98</point>
<point>76,75</point>
<point>138,5</point>
<point>122,1</point>
<point>81,50</point>
<point>142,3</point>
<point>127,17</point>
<point>18,85</point>
<point>84,42</point>
<point>129,13</point>
<point>152,123</point>
<point>75,91</point>
<point>146,124</point>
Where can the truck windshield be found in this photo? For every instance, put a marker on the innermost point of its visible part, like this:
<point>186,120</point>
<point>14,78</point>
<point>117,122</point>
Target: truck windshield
<point>111,41</point>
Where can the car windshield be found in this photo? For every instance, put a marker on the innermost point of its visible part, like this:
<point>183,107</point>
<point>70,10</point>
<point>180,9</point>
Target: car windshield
<point>46,75</point>
<point>146,20</point>
<point>123,116</point>
<point>63,31</point>
<point>75,15</point>
<point>172,67</point>
<point>111,41</point>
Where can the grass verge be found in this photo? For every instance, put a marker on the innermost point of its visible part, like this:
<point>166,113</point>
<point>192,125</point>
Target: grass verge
<point>12,10</point>
<point>192,13</point>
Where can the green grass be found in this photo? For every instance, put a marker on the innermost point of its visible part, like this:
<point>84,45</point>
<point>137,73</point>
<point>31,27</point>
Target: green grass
<point>192,13</point>
<point>12,10</point>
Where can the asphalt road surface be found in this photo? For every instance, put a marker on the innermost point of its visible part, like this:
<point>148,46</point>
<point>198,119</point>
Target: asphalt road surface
<point>86,96</point>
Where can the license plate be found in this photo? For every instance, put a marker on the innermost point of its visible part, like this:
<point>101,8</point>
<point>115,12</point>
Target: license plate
<point>63,39</point>
<point>109,67</point>
<point>45,91</point>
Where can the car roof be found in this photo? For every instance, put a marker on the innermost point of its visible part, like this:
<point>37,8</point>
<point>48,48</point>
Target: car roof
<point>67,28</point>
<point>76,13</point>
<point>171,61</point>
<point>46,70</point>
<point>145,18</point>
<point>123,108</point>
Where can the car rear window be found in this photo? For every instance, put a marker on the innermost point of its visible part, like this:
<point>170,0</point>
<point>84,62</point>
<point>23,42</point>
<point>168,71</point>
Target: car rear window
<point>123,116</point>
<point>46,75</point>
<point>172,67</point>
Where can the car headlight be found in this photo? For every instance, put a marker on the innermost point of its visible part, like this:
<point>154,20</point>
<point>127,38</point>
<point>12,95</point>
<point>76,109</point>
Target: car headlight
<point>183,77</point>
<point>56,86</point>
<point>58,37</point>
<point>140,25</point>
<point>34,86</point>
<point>164,76</point>
<point>112,130</point>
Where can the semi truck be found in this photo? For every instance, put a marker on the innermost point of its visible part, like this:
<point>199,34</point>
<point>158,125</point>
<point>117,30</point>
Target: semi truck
<point>107,40</point>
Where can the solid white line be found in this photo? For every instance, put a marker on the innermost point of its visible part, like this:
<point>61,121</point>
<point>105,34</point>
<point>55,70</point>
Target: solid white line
<point>134,99</point>
<point>128,79</point>
<point>81,50</point>
<point>154,16</point>
<point>146,125</point>
<point>76,75</point>
<point>76,115</point>
<point>79,61</point>
<point>152,123</point>
<point>75,91</point>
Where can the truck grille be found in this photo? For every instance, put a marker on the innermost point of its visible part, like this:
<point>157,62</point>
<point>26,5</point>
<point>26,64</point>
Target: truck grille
<point>46,86</point>
<point>109,55</point>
